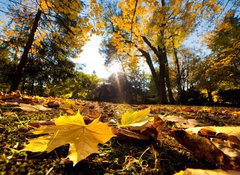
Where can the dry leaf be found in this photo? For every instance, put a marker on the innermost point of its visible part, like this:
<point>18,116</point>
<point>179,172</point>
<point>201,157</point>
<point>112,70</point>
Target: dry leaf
<point>190,171</point>
<point>83,139</point>
<point>230,130</point>
<point>68,104</point>
<point>33,108</point>
<point>125,133</point>
<point>204,148</point>
<point>181,122</point>
<point>135,119</point>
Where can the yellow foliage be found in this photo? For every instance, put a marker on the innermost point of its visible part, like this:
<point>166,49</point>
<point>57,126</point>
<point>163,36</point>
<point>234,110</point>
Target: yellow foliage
<point>137,118</point>
<point>83,139</point>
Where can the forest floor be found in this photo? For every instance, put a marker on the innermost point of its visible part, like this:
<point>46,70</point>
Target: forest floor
<point>120,155</point>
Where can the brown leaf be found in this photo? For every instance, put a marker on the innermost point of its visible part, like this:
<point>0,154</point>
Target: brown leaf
<point>53,104</point>
<point>33,108</point>
<point>37,124</point>
<point>187,109</point>
<point>204,148</point>
<point>158,124</point>
<point>190,171</point>
<point>126,134</point>
<point>207,132</point>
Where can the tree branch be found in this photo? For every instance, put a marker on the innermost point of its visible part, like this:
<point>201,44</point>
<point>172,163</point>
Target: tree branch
<point>134,12</point>
<point>154,49</point>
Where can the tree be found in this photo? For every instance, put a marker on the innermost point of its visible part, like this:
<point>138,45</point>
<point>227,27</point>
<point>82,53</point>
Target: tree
<point>203,80</point>
<point>80,85</point>
<point>132,80</point>
<point>6,67</point>
<point>49,19</point>
<point>185,62</point>
<point>122,88</point>
<point>148,28</point>
<point>224,42</point>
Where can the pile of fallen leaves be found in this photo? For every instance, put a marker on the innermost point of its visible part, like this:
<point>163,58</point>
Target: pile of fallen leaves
<point>128,138</point>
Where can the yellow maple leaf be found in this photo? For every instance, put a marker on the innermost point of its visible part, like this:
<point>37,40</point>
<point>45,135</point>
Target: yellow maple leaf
<point>137,118</point>
<point>83,139</point>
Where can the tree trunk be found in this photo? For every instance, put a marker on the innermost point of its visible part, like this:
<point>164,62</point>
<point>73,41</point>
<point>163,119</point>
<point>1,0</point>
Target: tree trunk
<point>160,85</point>
<point>23,61</point>
<point>23,86</point>
<point>157,81</point>
<point>168,83</point>
<point>164,69</point>
<point>179,84</point>
<point>32,87</point>
<point>165,72</point>
<point>210,97</point>
<point>162,72</point>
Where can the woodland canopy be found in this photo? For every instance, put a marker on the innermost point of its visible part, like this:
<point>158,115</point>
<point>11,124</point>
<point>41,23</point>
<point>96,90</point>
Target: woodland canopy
<point>40,39</point>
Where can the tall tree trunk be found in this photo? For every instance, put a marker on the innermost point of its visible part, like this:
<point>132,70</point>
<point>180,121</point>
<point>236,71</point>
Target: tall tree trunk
<point>168,83</point>
<point>23,86</point>
<point>210,97</point>
<point>162,74</point>
<point>18,75</point>
<point>165,72</point>
<point>160,85</point>
<point>40,90</point>
<point>163,54</point>
<point>32,87</point>
<point>157,81</point>
<point>179,84</point>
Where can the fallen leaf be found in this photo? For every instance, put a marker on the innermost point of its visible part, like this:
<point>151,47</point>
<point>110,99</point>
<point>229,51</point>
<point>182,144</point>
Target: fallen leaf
<point>181,122</point>
<point>137,118</point>
<point>190,171</point>
<point>91,111</point>
<point>125,134</point>
<point>204,148</point>
<point>53,104</point>
<point>83,139</point>
<point>32,108</point>
<point>69,111</point>
<point>230,130</point>
<point>187,109</point>
<point>67,104</point>
<point>11,104</point>
<point>158,124</point>
<point>37,124</point>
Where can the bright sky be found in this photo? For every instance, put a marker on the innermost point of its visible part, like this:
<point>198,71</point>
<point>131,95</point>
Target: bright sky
<point>93,60</point>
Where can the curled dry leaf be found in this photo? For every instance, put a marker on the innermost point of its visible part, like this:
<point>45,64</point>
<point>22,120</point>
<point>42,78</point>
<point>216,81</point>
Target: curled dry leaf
<point>204,148</point>
<point>229,130</point>
<point>126,134</point>
<point>190,171</point>
<point>135,119</point>
<point>226,138</point>
<point>53,104</point>
<point>37,124</point>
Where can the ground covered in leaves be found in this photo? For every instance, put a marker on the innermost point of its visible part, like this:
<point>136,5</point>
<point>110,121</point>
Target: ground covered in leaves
<point>124,154</point>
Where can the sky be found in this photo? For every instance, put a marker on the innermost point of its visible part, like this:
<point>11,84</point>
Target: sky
<point>93,60</point>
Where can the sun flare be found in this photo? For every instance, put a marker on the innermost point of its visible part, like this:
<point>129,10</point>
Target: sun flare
<point>114,68</point>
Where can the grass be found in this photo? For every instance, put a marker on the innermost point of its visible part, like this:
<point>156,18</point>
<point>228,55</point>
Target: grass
<point>118,156</point>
